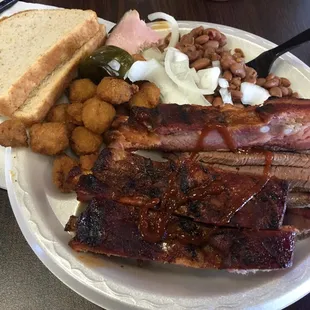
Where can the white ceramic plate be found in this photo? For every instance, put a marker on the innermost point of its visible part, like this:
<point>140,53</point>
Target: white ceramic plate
<point>42,211</point>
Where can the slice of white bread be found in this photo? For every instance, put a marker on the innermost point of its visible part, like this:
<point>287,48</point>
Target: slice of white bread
<point>34,43</point>
<point>52,87</point>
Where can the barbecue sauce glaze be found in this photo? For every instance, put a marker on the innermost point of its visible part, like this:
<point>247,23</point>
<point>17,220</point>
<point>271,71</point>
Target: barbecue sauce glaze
<point>174,198</point>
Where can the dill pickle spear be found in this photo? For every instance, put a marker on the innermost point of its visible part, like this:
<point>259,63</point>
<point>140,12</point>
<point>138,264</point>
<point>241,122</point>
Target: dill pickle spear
<point>108,60</point>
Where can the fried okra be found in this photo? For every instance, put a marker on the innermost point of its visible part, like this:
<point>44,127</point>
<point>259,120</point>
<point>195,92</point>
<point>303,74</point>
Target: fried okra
<point>81,90</point>
<point>74,113</point>
<point>61,167</point>
<point>83,141</point>
<point>148,96</point>
<point>13,134</point>
<point>97,115</point>
<point>87,161</point>
<point>57,113</point>
<point>115,91</point>
<point>49,138</point>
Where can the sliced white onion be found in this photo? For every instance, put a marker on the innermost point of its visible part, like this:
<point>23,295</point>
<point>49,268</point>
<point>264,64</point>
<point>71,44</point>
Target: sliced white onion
<point>253,94</point>
<point>223,83</point>
<point>177,66</point>
<point>153,71</point>
<point>226,96</point>
<point>194,75</point>
<point>175,34</point>
<point>216,63</point>
<point>153,53</point>
<point>209,80</point>
<point>142,70</point>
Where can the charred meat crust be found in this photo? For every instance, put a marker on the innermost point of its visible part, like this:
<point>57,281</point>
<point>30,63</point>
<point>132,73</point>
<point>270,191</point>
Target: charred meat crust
<point>171,127</point>
<point>135,180</point>
<point>110,228</point>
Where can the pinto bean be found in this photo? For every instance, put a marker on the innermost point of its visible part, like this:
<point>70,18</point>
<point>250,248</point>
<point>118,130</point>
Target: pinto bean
<point>212,43</point>
<point>213,34</point>
<point>202,39</point>
<point>251,75</point>
<point>217,102</point>
<point>250,79</point>
<point>192,52</point>
<point>223,40</point>
<point>215,57</point>
<point>260,81</point>
<point>232,87</point>
<point>227,62</point>
<point>270,76</point>
<point>238,69</point>
<point>226,54</point>
<point>295,95</point>
<point>209,52</point>
<point>187,39</point>
<point>219,50</point>
<point>199,47</point>
<point>236,94</point>
<point>285,82</point>
<point>284,91</point>
<point>271,83</point>
<point>210,98</point>
<point>239,51</point>
<point>240,60</point>
<point>196,32</point>
<point>275,91</point>
<point>227,75</point>
<point>236,81</point>
<point>201,63</point>
<point>237,55</point>
<point>290,91</point>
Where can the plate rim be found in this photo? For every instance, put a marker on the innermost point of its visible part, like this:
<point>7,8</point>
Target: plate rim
<point>83,289</point>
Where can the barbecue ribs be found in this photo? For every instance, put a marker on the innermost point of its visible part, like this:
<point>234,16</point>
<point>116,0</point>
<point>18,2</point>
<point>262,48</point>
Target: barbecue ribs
<point>110,228</point>
<point>281,124</point>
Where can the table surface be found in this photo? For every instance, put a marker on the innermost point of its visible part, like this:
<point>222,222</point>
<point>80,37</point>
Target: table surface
<point>25,283</point>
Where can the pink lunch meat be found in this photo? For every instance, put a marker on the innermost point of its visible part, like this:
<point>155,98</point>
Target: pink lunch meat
<point>132,34</point>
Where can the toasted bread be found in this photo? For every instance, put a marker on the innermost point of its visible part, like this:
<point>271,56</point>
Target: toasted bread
<point>33,44</point>
<point>52,87</point>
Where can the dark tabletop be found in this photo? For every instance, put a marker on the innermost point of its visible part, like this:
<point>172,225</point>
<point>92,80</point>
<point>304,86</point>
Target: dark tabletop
<point>25,283</point>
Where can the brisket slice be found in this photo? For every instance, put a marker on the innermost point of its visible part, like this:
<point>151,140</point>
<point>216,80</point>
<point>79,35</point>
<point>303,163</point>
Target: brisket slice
<point>241,201</point>
<point>292,167</point>
<point>298,200</point>
<point>110,228</point>
<point>171,127</point>
<point>300,219</point>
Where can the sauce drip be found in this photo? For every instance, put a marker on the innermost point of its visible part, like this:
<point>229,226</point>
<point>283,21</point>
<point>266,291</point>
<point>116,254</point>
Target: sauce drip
<point>222,130</point>
<point>268,163</point>
<point>268,159</point>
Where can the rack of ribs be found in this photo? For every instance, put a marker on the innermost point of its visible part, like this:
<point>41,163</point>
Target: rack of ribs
<point>280,124</point>
<point>114,229</point>
<point>202,193</point>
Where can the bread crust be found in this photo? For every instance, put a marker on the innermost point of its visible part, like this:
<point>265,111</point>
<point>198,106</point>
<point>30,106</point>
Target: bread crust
<point>19,91</point>
<point>47,93</point>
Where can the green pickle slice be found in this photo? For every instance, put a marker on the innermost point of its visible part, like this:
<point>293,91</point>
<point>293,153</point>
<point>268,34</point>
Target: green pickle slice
<point>108,60</point>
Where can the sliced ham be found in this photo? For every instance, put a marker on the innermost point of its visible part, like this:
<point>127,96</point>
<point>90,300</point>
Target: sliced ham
<point>132,34</point>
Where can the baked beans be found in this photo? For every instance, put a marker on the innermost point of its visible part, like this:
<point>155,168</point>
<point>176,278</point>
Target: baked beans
<point>203,46</point>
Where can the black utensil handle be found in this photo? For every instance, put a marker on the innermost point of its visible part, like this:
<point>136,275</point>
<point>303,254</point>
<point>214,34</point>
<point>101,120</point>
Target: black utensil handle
<point>292,43</point>
<point>4,5</point>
